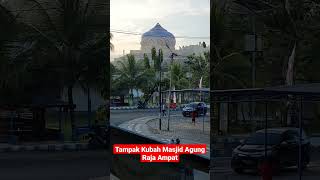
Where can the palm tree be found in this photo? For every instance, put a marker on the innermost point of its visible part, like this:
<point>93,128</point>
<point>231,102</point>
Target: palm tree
<point>179,80</point>
<point>149,84</point>
<point>151,74</point>
<point>199,67</point>
<point>15,61</point>
<point>94,58</point>
<point>7,21</point>
<point>157,62</point>
<point>178,77</point>
<point>294,21</point>
<point>219,64</point>
<point>68,36</point>
<point>131,73</point>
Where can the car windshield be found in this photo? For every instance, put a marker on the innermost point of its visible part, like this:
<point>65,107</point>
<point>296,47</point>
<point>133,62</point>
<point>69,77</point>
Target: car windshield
<point>192,105</point>
<point>259,139</point>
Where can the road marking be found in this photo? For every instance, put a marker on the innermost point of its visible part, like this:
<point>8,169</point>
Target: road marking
<point>130,126</point>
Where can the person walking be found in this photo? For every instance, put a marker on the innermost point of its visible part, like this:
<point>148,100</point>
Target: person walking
<point>164,109</point>
<point>266,169</point>
<point>193,116</point>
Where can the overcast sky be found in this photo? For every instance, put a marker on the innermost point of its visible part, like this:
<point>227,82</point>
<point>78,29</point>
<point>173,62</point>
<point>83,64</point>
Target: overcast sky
<point>181,18</point>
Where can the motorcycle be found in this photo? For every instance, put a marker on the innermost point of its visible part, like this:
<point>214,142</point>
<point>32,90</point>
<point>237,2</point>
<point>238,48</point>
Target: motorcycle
<point>99,138</point>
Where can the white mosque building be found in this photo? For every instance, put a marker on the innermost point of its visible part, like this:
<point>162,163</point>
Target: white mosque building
<point>160,38</point>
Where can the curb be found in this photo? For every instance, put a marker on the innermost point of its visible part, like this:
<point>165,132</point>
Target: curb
<point>45,147</point>
<point>124,108</point>
<point>134,108</point>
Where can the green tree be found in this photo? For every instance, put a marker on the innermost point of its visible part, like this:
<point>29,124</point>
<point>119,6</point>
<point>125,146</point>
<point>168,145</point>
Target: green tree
<point>146,61</point>
<point>179,80</point>
<point>66,37</point>
<point>16,61</point>
<point>131,73</point>
<point>228,67</point>
<point>199,66</point>
<point>152,76</point>
<point>94,57</point>
<point>149,79</point>
<point>296,23</point>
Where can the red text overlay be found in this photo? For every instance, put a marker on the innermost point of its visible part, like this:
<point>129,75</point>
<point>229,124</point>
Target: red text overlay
<point>159,152</point>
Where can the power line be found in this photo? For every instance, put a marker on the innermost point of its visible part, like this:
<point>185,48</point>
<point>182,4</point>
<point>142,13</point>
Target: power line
<point>139,34</point>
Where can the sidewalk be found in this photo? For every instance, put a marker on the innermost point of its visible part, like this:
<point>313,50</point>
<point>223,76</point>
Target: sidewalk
<point>136,107</point>
<point>148,126</point>
<point>111,177</point>
<point>44,146</point>
<point>183,128</point>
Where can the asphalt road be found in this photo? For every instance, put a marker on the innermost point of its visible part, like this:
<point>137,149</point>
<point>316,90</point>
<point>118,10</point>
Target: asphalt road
<point>118,117</point>
<point>81,165</point>
<point>225,172</point>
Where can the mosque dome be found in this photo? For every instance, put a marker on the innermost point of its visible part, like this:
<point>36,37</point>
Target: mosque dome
<point>159,38</point>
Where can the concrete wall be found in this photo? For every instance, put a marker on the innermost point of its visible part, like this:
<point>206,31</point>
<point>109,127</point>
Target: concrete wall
<point>80,99</point>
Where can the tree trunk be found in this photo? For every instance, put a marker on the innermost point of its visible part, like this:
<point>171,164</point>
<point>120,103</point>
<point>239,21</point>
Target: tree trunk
<point>89,106</point>
<point>290,82</point>
<point>150,93</point>
<point>70,102</point>
<point>132,97</point>
<point>137,91</point>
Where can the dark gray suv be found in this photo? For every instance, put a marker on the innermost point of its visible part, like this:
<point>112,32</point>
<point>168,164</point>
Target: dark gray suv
<point>282,149</point>
<point>200,108</point>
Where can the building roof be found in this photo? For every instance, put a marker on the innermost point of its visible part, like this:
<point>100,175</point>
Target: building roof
<point>278,130</point>
<point>305,92</point>
<point>158,31</point>
<point>299,89</point>
<point>206,90</point>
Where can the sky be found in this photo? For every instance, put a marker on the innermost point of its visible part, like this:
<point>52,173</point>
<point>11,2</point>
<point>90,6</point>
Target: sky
<point>180,17</point>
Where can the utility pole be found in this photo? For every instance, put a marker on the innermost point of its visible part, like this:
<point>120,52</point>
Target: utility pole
<point>160,97</point>
<point>172,55</point>
<point>252,118</point>
<point>254,53</point>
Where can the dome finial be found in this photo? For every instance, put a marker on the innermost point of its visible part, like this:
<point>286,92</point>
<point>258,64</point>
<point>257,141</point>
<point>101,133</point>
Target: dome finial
<point>158,25</point>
